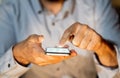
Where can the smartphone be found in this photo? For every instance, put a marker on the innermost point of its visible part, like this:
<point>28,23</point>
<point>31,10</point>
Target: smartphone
<point>58,51</point>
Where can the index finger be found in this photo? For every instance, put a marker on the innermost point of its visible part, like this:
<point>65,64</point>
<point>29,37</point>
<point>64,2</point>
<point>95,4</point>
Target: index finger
<point>65,37</point>
<point>69,33</point>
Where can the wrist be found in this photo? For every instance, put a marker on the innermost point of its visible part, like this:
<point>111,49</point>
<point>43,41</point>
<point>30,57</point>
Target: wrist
<point>19,57</point>
<point>98,60</point>
<point>22,62</point>
<point>107,55</point>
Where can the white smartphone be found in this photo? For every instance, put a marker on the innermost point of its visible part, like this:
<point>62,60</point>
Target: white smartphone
<point>58,51</point>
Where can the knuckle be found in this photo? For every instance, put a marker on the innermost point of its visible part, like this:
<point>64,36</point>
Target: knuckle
<point>31,36</point>
<point>82,47</point>
<point>92,31</point>
<point>75,43</point>
<point>77,24</point>
<point>66,31</point>
<point>98,37</point>
<point>85,26</point>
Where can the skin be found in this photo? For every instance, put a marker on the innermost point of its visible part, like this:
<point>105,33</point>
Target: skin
<point>30,50</point>
<point>53,6</point>
<point>84,37</point>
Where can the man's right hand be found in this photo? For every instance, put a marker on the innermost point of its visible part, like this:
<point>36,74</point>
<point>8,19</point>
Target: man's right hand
<point>31,51</point>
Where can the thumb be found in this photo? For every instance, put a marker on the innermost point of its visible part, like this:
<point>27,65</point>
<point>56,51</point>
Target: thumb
<point>35,38</point>
<point>73,53</point>
<point>40,38</point>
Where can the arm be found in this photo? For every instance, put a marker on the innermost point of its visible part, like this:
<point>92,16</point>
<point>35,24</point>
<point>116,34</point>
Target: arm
<point>106,29</point>
<point>8,66</point>
<point>107,25</point>
<point>86,38</point>
<point>24,52</point>
<point>30,51</point>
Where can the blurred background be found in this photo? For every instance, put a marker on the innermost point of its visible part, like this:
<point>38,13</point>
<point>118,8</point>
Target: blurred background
<point>116,5</point>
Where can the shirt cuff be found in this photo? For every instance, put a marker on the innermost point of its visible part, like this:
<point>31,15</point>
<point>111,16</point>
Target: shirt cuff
<point>118,55</point>
<point>9,67</point>
<point>107,72</point>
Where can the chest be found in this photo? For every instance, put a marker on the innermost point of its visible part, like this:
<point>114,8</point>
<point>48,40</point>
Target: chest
<point>30,22</point>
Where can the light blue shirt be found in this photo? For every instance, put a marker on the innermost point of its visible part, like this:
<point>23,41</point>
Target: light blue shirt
<point>19,19</point>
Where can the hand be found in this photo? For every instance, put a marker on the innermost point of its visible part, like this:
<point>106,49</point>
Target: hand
<point>31,51</point>
<point>84,37</point>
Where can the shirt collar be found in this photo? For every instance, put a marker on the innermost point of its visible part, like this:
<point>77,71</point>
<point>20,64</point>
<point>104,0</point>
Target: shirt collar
<point>67,7</point>
<point>65,11</point>
<point>36,6</point>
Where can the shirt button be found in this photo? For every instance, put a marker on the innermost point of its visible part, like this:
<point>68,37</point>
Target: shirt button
<point>39,12</point>
<point>8,65</point>
<point>53,23</point>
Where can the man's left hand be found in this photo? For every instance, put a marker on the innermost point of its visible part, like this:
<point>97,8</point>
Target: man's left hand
<point>84,37</point>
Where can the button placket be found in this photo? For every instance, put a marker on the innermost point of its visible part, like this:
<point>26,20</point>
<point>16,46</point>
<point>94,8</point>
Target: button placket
<point>53,23</point>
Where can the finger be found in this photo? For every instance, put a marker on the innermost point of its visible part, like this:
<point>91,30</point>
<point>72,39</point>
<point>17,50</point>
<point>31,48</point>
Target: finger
<point>54,59</point>
<point>39,60</point>
<point>42,61</point>
<point>45,63</point>
<point>40,38</point>
<point>73,53</point>
<point>66,46</point>
<point>94,42</point>
<point>60,58</point>
<point>35,38</point>
<point>79,36</point>
<point>87,39</point>
<point>45,60</point>
<point>69,33</point>
<point>64,38</point>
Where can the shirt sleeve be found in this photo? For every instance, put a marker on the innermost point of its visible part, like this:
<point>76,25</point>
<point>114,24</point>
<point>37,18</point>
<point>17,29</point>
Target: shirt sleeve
<point>106,72</point>
<point>106,21</point>
<point>118,55</point>
<point>8,66</point>
<point>107,25</point>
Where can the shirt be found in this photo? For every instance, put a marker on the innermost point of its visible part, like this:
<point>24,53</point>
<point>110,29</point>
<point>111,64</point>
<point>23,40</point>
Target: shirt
<point>19,19</point>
